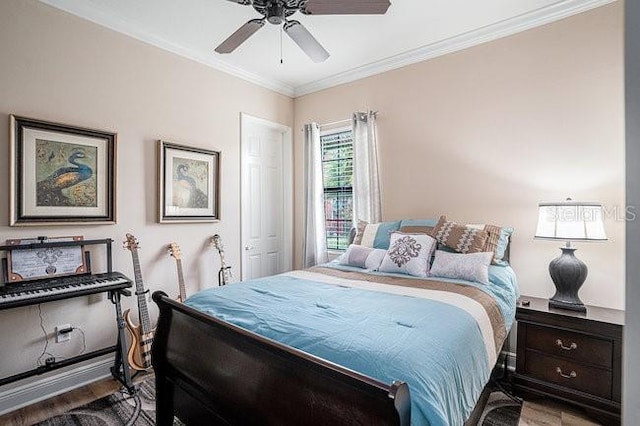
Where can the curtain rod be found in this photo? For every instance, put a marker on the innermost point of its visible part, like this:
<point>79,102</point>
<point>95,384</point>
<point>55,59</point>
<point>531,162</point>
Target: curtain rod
<point>348,120</point>
<point>333,123</point>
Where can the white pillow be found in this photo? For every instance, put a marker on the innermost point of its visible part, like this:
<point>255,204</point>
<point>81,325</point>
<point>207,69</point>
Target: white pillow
<point>362,257</point>
<point>408,254</point>
<point>469,267</point>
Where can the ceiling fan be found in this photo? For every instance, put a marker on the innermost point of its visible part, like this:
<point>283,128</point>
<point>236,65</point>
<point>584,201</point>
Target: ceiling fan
<point>277,12</point>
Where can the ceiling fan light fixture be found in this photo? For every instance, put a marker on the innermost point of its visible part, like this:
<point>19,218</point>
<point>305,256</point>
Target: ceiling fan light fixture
<point>275,13</point>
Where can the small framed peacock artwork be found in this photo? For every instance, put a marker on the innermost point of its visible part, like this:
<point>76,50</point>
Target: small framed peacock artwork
<point>61,174</point>
<point>189,184</point>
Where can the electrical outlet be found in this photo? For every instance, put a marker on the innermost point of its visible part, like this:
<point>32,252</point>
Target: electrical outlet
<point>63,337</point>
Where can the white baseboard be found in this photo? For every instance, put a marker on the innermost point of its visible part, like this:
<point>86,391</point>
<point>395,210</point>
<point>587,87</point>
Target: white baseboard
<point>52,384</point>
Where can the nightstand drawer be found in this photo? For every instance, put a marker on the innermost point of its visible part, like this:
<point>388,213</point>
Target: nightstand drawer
<point>576,346</point>
<point>574,375</point>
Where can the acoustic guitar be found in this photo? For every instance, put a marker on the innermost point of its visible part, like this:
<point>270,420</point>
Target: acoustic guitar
<point>174,250</point>
<point>224,274</point>
<point>139,354</point>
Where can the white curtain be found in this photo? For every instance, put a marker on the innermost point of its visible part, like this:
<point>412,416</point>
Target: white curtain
<point>366,180</point>
<point>314,248</point>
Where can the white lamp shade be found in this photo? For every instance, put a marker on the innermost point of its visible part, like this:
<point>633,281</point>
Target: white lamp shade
<point>570,221</point>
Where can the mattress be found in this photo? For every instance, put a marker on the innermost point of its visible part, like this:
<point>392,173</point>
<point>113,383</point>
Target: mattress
<point>441,337</point>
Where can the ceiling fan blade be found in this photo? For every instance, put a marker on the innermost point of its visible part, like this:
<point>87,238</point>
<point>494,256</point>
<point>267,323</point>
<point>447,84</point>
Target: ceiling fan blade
<point>242,2</point>
<point>306,41</point>
<point>240,36</point>
<point>341,7</point>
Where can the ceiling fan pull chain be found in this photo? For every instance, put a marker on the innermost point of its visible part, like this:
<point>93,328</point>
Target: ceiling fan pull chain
<point>281,31</point>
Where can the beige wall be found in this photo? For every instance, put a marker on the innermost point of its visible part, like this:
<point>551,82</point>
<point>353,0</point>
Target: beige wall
<point>481,135</point>
<point>58,67</point>
<point>485,134</point>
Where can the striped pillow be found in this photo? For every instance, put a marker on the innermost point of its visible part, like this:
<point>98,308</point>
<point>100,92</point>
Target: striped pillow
<point>362,257</point>
<point>375,235</point>
<point>497,241</point>
<point>460,238</point>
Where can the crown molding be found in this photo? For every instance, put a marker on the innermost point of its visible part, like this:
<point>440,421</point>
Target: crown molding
<point>87,10</point>
<point>542,16</point>
<point>482,35</point>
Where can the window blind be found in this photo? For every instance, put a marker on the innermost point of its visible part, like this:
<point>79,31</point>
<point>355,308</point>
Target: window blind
<point>337,172</point>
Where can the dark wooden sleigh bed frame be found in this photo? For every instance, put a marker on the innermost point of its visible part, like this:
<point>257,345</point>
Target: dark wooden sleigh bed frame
<point>210,372</point>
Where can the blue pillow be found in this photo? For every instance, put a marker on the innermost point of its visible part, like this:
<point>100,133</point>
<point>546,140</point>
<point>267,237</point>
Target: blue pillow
<point>418,222</point>
<point>503,242</point>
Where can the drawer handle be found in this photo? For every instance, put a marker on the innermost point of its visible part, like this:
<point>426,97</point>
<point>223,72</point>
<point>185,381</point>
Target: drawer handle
<point>571,347</point>
<point>571,375</point>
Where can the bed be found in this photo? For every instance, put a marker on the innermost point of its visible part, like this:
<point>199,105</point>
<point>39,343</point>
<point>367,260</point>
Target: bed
<point>333,344</point>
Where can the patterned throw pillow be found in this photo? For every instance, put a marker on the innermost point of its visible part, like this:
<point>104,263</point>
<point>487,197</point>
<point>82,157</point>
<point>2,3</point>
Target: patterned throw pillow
<point>497,241</point>
<point>460,238</point>
<point>469,267</point>
<point>408,254</point>
<point>375,235</point>
<point>362,257</point>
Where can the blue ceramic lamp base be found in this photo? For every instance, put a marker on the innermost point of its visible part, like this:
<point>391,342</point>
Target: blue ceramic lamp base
<point>568,274</point>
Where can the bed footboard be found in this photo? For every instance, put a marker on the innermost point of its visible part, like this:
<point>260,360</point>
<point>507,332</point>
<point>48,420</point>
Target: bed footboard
<point>211,372</point>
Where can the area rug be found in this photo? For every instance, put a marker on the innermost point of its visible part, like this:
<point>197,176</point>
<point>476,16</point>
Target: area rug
<point>118,409</point>
<point>500,410</point>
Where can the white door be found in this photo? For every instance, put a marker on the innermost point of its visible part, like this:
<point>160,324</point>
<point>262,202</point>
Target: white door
<point>267,198</point>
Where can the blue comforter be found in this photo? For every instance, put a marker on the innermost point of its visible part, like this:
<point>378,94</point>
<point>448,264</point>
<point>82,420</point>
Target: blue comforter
<point>435,347</point>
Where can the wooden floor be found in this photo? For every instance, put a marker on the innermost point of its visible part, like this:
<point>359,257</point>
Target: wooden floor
<point>62,403</point>
<point>534,413</point>
<point>549,413</point>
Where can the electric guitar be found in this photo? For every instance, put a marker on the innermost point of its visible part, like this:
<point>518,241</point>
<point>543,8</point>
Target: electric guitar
<point>139,354</point>
<point>224,274</point>
<point>174,250</point>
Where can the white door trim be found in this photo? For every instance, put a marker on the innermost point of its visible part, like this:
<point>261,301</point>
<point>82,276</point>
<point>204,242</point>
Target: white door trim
<point>287,177</point>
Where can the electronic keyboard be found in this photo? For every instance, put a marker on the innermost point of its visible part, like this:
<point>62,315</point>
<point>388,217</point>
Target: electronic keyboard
<point>33,292</point>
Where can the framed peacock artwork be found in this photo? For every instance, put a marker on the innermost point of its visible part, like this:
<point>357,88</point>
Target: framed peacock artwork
<point>189,184</point>
<point>61,174</point>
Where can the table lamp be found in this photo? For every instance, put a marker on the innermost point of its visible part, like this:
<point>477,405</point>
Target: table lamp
<point>569,221</point>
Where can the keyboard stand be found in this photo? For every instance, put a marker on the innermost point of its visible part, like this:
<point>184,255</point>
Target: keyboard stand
<point>120,370</point>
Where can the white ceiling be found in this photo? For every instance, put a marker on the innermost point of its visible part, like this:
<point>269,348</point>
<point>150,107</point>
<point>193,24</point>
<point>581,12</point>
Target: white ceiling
<point>411,31</point>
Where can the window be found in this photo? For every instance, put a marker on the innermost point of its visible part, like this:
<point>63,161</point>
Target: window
<point>337,172</point>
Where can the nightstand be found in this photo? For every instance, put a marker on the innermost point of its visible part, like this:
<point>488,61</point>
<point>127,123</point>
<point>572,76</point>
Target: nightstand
<point>571,356</point>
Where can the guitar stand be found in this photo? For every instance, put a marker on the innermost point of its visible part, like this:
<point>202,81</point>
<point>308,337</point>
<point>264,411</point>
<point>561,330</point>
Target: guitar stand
<point>120,371</point>
<point>221,275</point>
